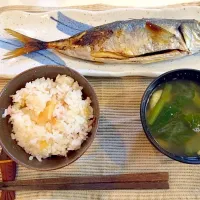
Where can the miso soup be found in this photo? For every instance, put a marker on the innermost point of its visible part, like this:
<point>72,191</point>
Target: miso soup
<point>173,117</point>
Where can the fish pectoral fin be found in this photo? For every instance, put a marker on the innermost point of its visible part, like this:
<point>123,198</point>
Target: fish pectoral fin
<point>108,54</point>
<point>158,34</point>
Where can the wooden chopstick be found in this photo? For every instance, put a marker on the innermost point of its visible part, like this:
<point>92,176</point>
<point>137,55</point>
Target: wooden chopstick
<point>92,186</point>
<point>8,172</point>
<point>137,177</point>
<point>109,182</point>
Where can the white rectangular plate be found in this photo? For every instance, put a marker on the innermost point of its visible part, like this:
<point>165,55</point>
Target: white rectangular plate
<point>61,24</point>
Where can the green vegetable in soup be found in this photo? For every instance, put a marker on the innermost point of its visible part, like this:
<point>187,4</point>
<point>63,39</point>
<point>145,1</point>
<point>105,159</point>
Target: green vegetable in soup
<point>155,98</point>
<point>173,117</point>
<point>196,99</point>
<point>183,95</point>
<point>160,104</point>
<point>176,131</point>
<point>168,112</point>
<point>181,101</point>
<point>185,90</point>
<point>193,121</point>
<point>192,147</point>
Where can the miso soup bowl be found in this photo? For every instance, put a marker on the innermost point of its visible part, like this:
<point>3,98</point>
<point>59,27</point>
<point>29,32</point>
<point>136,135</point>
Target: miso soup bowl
<point>10,146</point>
<point>180,74</point>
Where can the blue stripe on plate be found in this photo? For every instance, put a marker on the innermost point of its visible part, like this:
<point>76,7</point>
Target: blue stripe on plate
<point>69,26</point>
<point>45,57</point>
<point>65,24</point>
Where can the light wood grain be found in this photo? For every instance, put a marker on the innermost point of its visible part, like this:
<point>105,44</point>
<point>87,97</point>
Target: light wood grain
<point>93,7</point>
<point>110,182</point>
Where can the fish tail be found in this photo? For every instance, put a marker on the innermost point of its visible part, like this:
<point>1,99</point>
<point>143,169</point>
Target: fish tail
<point>30,45</point>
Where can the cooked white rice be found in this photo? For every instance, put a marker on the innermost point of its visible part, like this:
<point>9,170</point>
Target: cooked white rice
<point>50,117</point>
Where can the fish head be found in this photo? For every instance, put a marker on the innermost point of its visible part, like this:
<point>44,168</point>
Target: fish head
<point>191,34</point>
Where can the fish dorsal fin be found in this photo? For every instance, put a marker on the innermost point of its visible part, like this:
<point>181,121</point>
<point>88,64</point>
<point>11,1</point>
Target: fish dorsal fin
<point>158,34</point>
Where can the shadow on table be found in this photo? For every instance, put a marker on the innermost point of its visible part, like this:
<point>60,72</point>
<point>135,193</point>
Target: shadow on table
<point>111,141</point>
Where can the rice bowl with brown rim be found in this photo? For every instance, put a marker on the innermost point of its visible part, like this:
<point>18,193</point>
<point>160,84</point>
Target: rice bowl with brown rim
<point>50,117</point>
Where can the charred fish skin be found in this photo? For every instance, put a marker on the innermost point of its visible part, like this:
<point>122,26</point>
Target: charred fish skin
<point>130,41</point>
<point>126,41</point>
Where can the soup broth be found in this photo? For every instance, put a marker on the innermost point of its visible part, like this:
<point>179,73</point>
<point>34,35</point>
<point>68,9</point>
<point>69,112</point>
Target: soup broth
<point>173,117</point>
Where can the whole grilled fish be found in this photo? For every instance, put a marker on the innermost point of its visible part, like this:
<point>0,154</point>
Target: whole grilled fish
<point>131,41</point>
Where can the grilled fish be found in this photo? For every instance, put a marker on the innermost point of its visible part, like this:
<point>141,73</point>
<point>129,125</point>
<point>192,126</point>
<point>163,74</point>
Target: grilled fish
<point>131,41</point>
